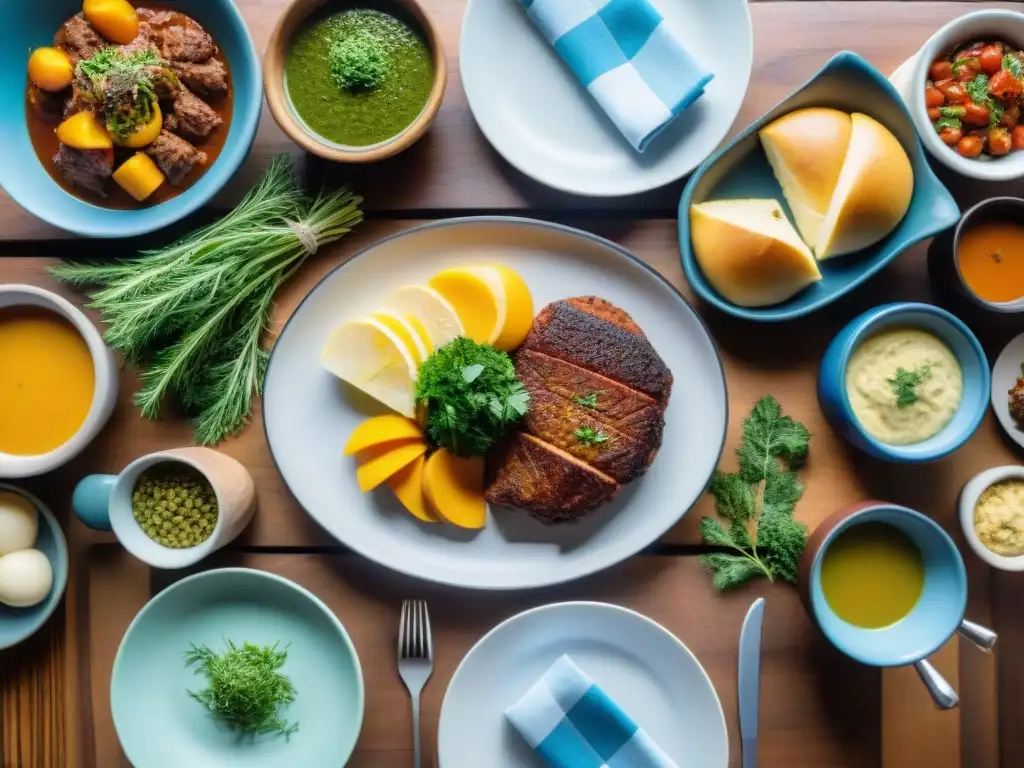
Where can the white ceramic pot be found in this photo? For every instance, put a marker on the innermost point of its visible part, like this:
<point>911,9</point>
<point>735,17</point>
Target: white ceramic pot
<point>104,503</point>
<point>104,396</point>
<point>909,79</point>
<point>969,498</point>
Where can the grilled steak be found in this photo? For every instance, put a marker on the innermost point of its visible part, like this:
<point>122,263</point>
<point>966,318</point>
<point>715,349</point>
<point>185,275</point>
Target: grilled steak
<point>631,421</point>
<point>549,483</point>
<point>587,339</point>
<point>598,393</point>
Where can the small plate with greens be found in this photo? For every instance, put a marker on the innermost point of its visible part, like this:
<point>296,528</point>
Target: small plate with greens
<point>236,667</point>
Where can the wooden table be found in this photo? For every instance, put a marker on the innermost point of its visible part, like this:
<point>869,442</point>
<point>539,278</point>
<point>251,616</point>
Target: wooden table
<point>818,709</point>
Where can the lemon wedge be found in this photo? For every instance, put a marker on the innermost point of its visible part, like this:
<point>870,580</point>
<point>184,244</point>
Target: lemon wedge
<point>493,303</point>
<point>404,330</point>
<point>369,356</point>
<point>436,316</point>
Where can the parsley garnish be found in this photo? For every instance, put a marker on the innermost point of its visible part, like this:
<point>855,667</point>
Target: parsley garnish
<point>947,121</point>
<point>757,502</point>
<point>977,89</point>
<point>905,383</point>
<point>590,401</point>
<point>472,396</point>
<point>1013,65</point>
<point>590,436</point>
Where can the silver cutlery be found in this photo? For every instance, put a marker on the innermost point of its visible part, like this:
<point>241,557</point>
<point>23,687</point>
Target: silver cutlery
<point>415,660</point>
<point>941,691</point>
<point>750,681</point>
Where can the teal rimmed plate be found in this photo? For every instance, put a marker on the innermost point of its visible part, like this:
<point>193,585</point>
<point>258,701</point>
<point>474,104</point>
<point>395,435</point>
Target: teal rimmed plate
<point>161,726</point>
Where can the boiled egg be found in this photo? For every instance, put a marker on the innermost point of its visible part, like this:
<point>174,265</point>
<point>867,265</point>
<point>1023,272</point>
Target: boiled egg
<point>26,578</point>
<point>19,522</point>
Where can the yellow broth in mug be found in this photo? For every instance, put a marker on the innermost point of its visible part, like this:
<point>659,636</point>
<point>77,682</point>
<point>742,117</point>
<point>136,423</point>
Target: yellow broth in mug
<point>46,381</point>
<point>872,575</point>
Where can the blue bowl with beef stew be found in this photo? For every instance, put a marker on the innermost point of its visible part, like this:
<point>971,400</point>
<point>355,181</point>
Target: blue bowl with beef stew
<point>129,119</point>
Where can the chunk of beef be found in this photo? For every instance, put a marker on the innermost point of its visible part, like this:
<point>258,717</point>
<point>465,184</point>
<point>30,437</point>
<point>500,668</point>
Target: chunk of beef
<point>82,98</point>
<point>171,122</point>
<point>78,39</point>
<point>209,78</point>
<point>186,42</point>
<point>143,40</point>
<point>86,168</point>
<point>155,19</point>
<point>196,118</point>
<point>175,156</point>
<point>49,106</point>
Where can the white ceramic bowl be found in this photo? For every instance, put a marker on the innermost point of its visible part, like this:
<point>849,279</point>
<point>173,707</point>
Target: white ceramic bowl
<point>980,25</point>
<point>969,497</point>
<point>104,396</point>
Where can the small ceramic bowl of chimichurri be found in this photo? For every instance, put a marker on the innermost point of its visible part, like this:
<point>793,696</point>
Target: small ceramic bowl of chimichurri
<point>354,80</point>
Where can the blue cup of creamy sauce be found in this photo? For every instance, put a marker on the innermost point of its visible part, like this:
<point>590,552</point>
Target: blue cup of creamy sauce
<point>905,382</point>
<point>887,586</point>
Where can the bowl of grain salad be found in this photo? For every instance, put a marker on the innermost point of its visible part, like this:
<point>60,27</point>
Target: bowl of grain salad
<point>992,516</point>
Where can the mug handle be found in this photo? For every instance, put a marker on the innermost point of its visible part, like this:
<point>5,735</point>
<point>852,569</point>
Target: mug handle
<point>91,501</point>
<point>941,691</point>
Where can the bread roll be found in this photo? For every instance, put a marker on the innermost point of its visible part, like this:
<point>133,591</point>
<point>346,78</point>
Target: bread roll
<point>873,194</point>
<point>749,251</point>
<point>807,149</point>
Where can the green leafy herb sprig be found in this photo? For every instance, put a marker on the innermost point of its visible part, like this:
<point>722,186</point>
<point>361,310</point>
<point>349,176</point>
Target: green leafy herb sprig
<point>905,383</point>
<point>587,401</point>
<point>191,315</point>
<point>126,85</point>
<point>471,395</point>
<point>245,688</point>
<point>756,504</point>
<point>590,436</point>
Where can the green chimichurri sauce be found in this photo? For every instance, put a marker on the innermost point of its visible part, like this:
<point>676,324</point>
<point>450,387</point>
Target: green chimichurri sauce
<point>358,117</point>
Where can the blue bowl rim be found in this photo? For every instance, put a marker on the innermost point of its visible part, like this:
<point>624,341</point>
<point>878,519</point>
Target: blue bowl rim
<point>258,575</point>
<point>771,314</point>
<point>190,200</point>
<point>947,540</point>
<point>44,610</point>
<point>861,327</point>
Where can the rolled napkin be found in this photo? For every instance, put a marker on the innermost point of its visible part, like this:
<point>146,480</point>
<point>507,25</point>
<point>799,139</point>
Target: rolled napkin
<point>627,58</point>
<point>571,723</point>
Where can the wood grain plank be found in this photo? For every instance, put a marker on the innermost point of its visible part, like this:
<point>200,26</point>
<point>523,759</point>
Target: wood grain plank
<point>818,708</point>
<point>454,168</point>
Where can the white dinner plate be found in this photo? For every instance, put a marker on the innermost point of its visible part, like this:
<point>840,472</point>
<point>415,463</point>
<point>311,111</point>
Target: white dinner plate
<point>536,113</point>
<point>309,414</point>
<point>643,667</point>
<point>1005,373</point>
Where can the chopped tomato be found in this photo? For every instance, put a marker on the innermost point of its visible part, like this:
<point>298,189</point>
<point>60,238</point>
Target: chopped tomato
<point>952,136</point>
<point>999,142</point>
<point>1017,135</point>
<point>975,114</point>
<point>1004,85</point>
<point>970,146</point>
<point>1010,117</point>
<point>941,70</point>
<point>955,94</point>
<point>933,97</point>
<point>991,58</point>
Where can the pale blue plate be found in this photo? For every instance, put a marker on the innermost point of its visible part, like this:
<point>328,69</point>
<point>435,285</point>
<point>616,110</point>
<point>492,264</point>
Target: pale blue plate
<point>741,170</point>
<point>161,726</point>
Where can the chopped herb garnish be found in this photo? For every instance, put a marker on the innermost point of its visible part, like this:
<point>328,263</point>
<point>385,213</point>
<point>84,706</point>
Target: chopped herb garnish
<point>948,122</point>
<point>956,112</point>
<point>126,85</point>
<point>995,113</point>
<point>905,383</point>
<point>590,436</point>
<point>977,89</point>
<point>590,401</point>
<point>1013,65</point>
<point>960,63</point>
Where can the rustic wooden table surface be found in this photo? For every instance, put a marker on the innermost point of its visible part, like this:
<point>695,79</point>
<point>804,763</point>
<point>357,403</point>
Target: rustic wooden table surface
<point>818,709</point>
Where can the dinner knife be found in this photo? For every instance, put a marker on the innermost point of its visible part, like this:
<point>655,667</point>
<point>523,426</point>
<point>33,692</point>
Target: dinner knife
<point>750,680</point>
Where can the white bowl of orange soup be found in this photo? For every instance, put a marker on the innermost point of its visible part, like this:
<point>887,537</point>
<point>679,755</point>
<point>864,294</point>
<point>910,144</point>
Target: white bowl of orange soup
<point>58,381</point>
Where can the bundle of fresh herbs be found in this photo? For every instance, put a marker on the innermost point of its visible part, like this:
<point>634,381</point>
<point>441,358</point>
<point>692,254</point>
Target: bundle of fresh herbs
<point>245,689</point>
<point>191,315</point>
<point>758,501</point>
<point>471,395</point>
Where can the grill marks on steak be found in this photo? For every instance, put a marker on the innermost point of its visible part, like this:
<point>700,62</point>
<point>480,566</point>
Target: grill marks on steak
<point>579,348</point>
<point>591,341</point>
<point>550,484</point>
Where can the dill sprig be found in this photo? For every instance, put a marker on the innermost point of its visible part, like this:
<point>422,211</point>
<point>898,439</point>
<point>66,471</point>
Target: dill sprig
<point>758,501</point>
<point>191,315</point>
<point>125,84</point>
<point>245,689</point>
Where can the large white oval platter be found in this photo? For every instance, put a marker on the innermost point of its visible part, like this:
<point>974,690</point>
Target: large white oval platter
<point>308,414</point>
<point>536,113</point>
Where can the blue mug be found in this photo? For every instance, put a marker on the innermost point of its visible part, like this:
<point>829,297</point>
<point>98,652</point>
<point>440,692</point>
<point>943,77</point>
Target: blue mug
<point>937,615</point>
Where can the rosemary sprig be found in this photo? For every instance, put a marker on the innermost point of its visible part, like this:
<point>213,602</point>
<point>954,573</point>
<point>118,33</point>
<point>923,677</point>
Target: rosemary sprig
<point>192,315</point>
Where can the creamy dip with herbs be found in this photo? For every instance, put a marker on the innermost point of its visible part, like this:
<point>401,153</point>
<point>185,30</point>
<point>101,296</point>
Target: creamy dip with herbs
<point>999,517</point>
<point>904,385</point>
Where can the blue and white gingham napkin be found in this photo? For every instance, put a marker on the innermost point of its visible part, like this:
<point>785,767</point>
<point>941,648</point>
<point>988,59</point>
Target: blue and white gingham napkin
<point>627,58</point>
<point>571,723</point>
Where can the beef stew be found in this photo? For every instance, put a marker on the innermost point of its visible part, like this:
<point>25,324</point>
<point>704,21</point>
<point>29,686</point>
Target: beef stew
<point>166,93</point>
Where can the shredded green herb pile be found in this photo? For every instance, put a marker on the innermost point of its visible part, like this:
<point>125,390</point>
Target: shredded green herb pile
<point>245,688</point>
<point>590,436</point>
<point>471,395</point>
<point>756,504</point>
<point>359,61</point>
<point>125,84</point>
<point>191,315</point>
<point>905,384</point>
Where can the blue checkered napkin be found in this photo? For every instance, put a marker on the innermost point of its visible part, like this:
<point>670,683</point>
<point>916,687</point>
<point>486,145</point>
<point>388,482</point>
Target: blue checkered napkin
<point>628,59</point>
<point>572,723</point>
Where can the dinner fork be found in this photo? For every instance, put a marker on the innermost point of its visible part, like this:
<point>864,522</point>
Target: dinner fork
<point>415,660</point>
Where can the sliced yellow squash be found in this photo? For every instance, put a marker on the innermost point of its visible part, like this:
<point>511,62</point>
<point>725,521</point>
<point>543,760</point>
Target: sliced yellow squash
<point>407,484</point>
<point>455,489</point>
<point>382,429</point>
<point>383,464</point>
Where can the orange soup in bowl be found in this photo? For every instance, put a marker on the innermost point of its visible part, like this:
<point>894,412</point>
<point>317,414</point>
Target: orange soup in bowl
<point>991,260</point>
<point>47,381</point>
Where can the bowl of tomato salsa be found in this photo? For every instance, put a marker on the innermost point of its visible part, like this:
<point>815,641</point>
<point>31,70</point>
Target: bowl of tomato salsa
<point>967,95</point>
